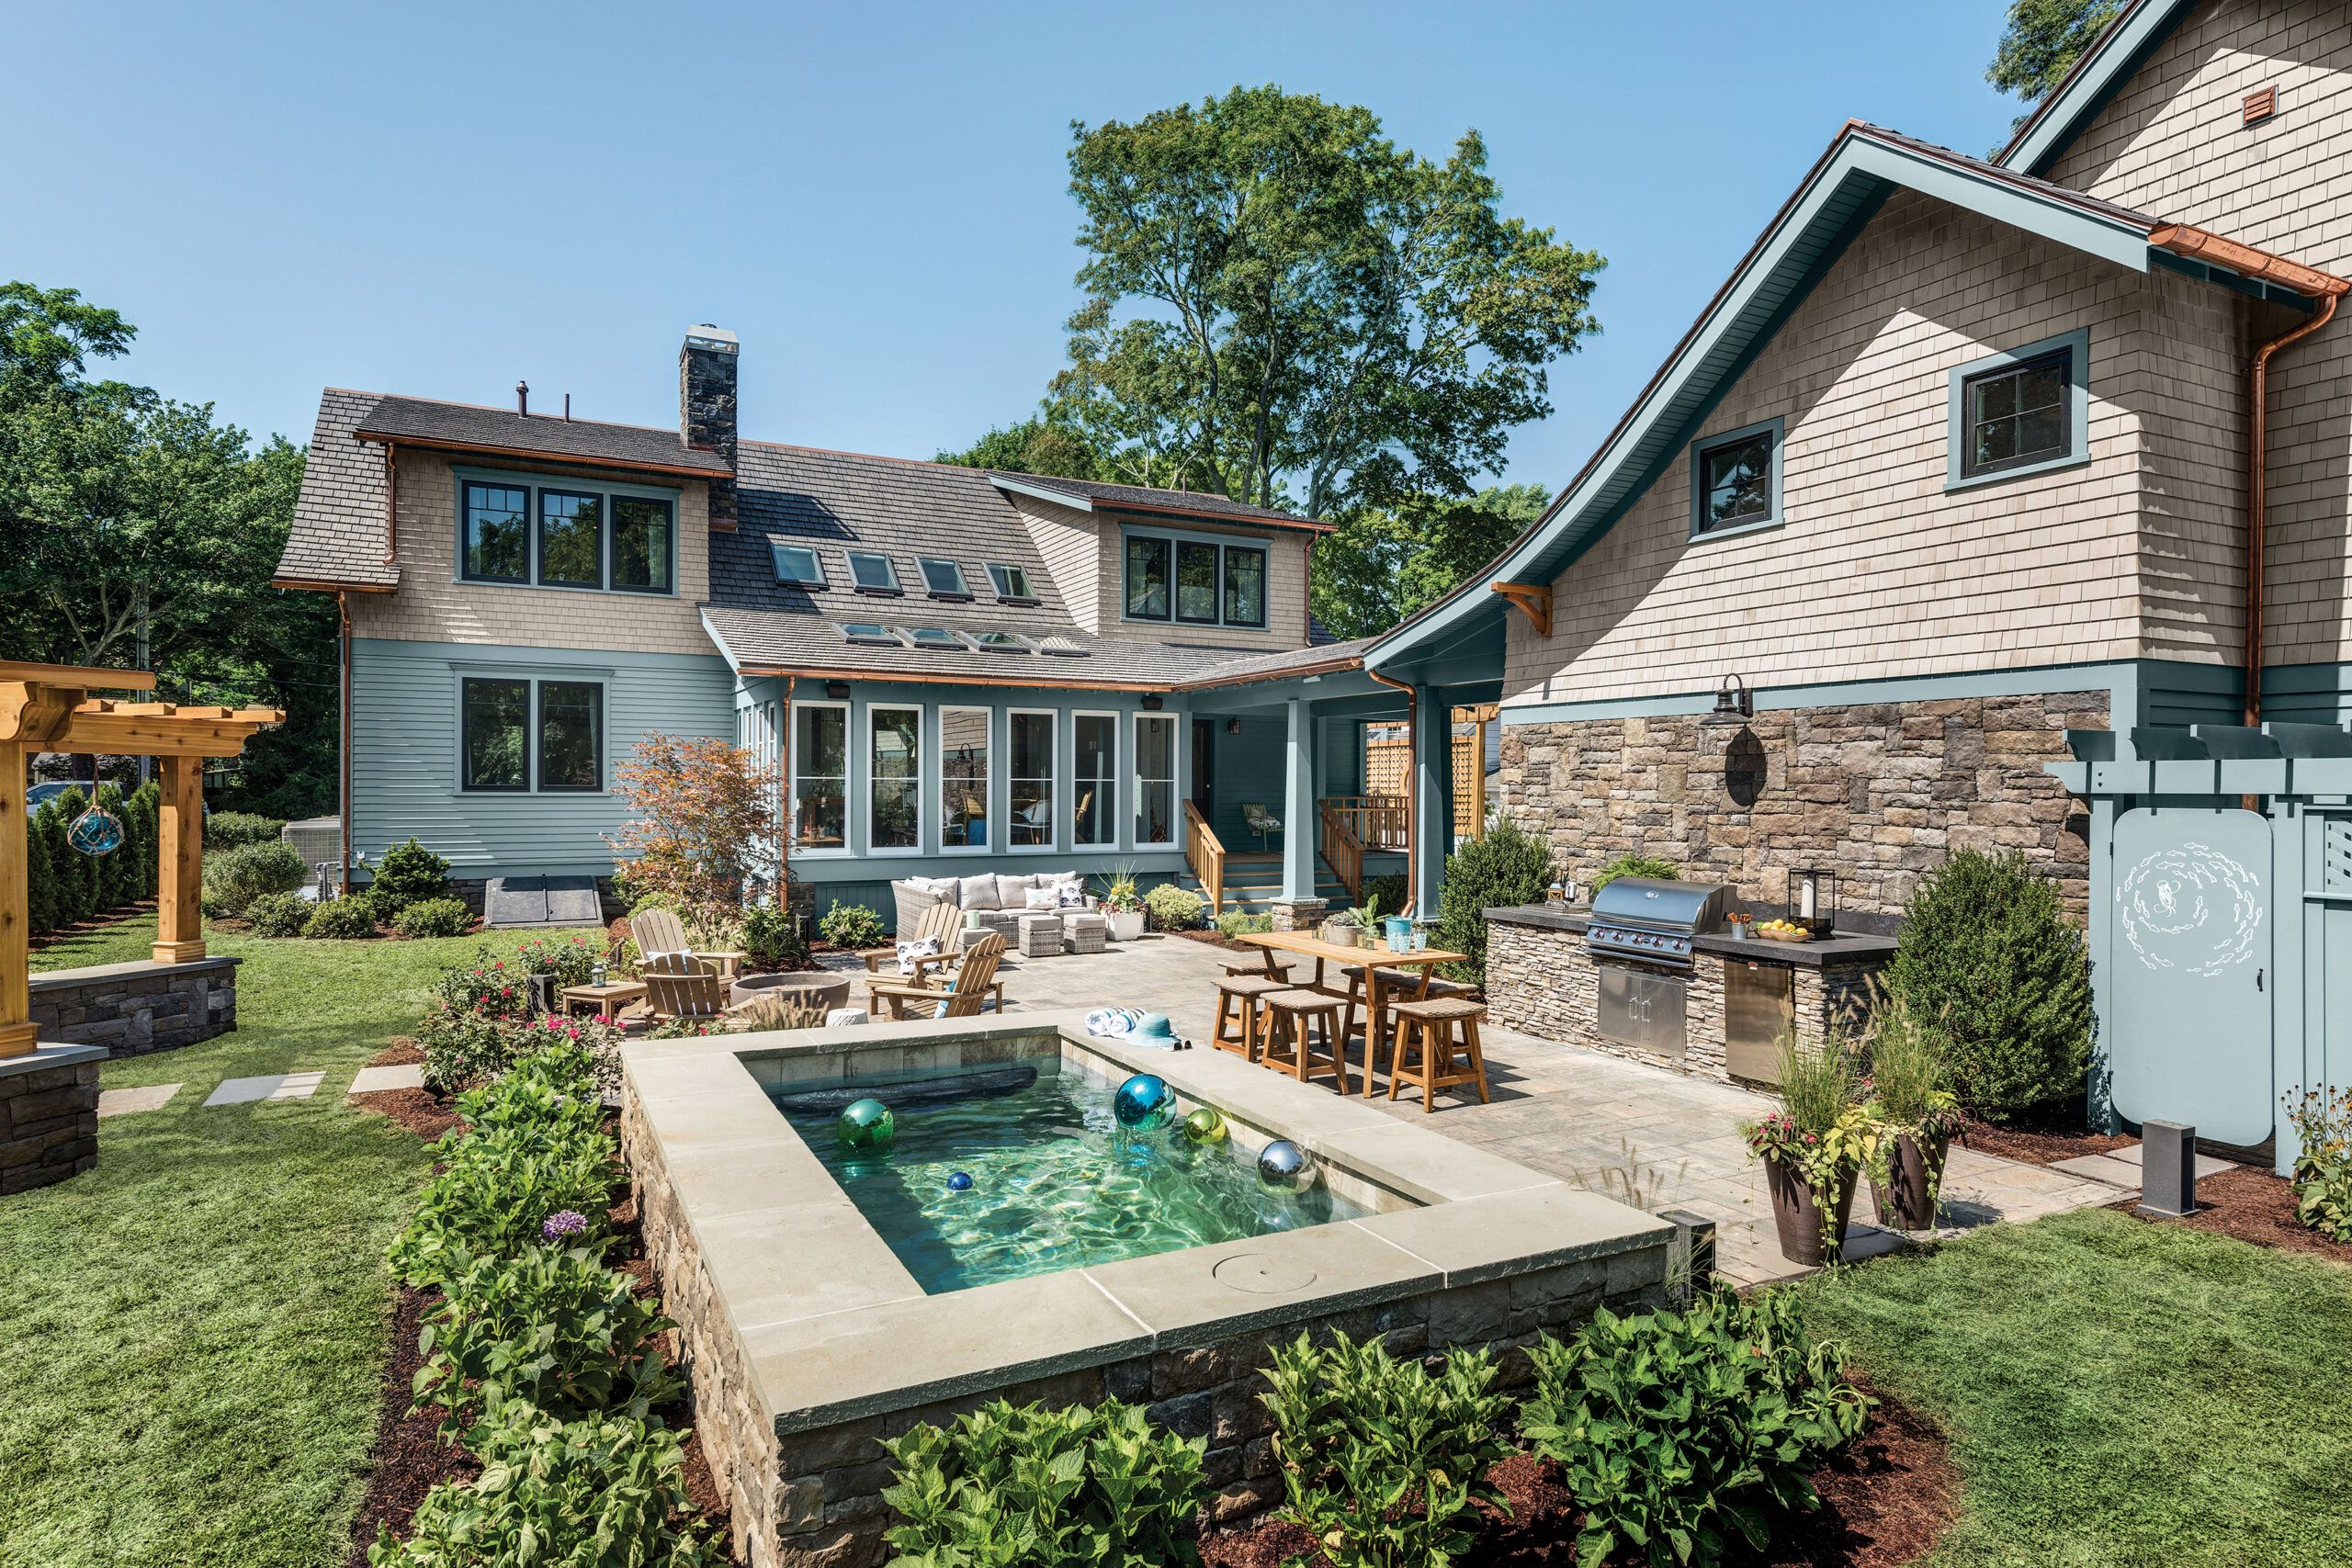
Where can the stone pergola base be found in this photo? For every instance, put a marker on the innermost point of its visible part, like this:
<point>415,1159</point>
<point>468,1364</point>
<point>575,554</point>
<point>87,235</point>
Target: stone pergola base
<point>48,1115</point>
<point>132,1008</point>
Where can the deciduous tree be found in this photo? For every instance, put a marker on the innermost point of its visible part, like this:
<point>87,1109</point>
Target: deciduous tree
<point>1385,563</point>
<point>702,828</point>
<point>2041,42</point>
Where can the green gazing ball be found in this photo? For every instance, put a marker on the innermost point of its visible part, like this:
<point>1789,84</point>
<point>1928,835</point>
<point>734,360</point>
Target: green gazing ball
<point>1204,1127</point>
<point>865,1125</point>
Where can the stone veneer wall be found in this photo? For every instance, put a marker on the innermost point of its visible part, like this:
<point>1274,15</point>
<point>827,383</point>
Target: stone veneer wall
<point>1540,981</point>
<point>1880,792</point>
<point>812,1499</point>
<point>132,1008</point>
<point>48,1117</point>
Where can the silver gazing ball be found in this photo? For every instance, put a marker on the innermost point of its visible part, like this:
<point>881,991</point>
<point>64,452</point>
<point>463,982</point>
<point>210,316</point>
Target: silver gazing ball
<point>1283,1166</point>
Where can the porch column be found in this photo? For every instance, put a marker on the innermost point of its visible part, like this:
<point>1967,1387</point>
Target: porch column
<point>1299,816</point>
<point>16,984</point>
<point>1433,829</point>
<point>179,862</point>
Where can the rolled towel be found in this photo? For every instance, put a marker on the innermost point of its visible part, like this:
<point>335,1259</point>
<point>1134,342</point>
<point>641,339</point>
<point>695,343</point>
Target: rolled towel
<point>1114,1022</point>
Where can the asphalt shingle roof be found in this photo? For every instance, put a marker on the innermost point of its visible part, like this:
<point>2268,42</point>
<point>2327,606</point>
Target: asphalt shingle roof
<point>468,428</point>
<point>1176,502</point>
<point>339,522</point>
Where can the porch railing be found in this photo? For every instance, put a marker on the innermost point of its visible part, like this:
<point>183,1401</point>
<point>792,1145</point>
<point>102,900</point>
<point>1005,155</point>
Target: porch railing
<point>1376,821</point>
<point>1342,850</point>
<point>1204,854</point>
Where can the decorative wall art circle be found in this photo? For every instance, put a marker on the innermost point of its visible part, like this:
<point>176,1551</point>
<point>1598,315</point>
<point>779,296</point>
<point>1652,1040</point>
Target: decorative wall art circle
<point>2191,908</point>
<point>95,832</point>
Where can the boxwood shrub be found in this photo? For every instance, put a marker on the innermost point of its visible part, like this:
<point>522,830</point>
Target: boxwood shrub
<point>234,878</point>
<point>349,918</point>
<point>431,917</point>
<point>1507,865</point>
<point>279,914</point>
<point>230,829</point>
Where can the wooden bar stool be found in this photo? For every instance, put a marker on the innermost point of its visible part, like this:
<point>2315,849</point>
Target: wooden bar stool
<point>1424,1032</point>
<point>1266,969</point>
<point>1241,1022</point>
<point>1288,1048</point>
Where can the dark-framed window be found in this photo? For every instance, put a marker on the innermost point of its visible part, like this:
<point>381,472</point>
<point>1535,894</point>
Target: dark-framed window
<point>943,578</point>
<point>571,538</point>
<point>871,572</point>
<point>495,724</point>
<point>798,564</point>
<point>1148,573</point>
<point>1245,586</point>
<point>1196,582</point>
<point>643,537</point>
<point>2017,415</point>
<point>1735,480</point>
<point>572,736</point>
<point>495,520</point>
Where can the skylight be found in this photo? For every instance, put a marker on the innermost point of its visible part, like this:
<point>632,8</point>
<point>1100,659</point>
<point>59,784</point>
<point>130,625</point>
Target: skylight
<point>999,642</point>
<point>933,637</point>
<point>873,633</point>
<point>872,571</point>
<point>1012,581</point>
<point>1056,643</point>
<point>796,564</point>
<point>943,576</point>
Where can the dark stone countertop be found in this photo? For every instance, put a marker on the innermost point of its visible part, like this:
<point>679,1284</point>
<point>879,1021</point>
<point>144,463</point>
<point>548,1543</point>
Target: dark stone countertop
<point>1846,947</point>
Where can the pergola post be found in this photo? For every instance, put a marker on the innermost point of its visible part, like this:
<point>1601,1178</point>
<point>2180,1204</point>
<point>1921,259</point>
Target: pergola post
<point>16,958</point>
<point>179,862</point>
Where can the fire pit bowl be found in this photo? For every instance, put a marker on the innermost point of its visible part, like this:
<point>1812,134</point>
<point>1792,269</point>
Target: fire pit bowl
<point>815,988</point>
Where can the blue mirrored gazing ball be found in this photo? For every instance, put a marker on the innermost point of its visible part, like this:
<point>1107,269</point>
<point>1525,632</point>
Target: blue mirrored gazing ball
<point>865,1125</point>
<point>960,1181</point>
<point>1144,1104</point>
<point>1205,1125</point>
<point>1283,1166</point>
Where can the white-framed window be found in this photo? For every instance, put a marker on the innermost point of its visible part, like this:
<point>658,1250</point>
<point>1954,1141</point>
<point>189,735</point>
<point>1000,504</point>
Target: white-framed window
<point>894,779</point>
<point>871,571</point>
<point>796,564</point>
<point>1029,753</point>
<point>1094,780</point>
<point>1155,779</point>
<point>964,780</point>
<point>1012,581</point>
<point>942,578</point>
<point>1194,580</point>
<point>819,778</point>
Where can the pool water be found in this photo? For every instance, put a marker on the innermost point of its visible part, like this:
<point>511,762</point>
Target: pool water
<point>1057,1183</point>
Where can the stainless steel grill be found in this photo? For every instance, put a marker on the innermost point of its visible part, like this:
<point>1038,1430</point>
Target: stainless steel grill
<point>1652,921</point>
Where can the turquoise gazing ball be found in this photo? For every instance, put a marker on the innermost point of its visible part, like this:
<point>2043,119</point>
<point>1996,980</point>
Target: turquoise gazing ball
<point>1144,1104</point>
<point>865,1125</point>
<point>1283,1166</point>
<point>1205,1126</point>
<point>95,832</point>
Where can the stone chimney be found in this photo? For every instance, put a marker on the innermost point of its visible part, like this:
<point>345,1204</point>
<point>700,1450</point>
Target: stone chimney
<point>706,407</point>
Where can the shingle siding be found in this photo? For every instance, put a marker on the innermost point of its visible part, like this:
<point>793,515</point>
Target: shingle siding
<point>338,534</point>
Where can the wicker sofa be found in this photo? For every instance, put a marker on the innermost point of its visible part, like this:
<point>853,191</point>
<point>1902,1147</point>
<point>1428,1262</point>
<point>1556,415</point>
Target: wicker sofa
<point>990,902</point>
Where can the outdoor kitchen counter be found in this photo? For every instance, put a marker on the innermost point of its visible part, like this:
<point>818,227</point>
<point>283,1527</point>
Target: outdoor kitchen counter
<point>1843,948</point>
<point>1735,1002</point>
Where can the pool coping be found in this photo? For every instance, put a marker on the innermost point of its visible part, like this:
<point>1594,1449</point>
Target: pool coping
<point>831,1327</point>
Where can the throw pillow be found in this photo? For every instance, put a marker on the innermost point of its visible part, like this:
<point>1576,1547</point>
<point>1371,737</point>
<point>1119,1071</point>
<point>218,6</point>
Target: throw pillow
<point>1070,892</point>
<point>1041,898</point>
<point>1013,892</point>
<point>978,893</point>
<point>921,947</point>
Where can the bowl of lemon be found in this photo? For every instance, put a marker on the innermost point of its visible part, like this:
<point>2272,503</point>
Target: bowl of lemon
<point>1782,931</point>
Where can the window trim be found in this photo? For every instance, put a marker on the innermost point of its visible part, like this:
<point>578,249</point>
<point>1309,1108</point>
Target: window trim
<point>1167,542</point>
<point>1225,545</point>
<point>1053,781</point>
<point>923,784</point>
<point>2076,345</point>
<point>539,736</point>
<point>465,732</point>
<point>999,573</point>
<point>815,562</point>
<point>1175,779</point>
<point>1111,812</point>
<point>539,546</point>
<point>961,592</point>
<point>792,777</point>
<point>1774,516</point>
<point>893,588</point>
<point>530,530</point>
<point>936,779</point>
<point>531,484</point>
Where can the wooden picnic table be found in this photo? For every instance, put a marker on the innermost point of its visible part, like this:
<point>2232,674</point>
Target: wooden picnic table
<point>1375,996</point>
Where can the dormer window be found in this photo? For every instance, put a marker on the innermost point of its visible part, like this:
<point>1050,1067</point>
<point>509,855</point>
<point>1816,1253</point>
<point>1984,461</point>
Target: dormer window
<point>1012,581</point>
<point>797,565</point>
<point>943,577</point>
<point>871,572</point>
<point>580,534</point>
<point>1199,582</point>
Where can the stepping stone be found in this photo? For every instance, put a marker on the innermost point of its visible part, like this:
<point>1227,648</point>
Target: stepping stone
<point>280,1086</point>
<point>2206,1164</point>
<point>374,1080</point>
<point>2107,1168</point>
<point>124,1101</point>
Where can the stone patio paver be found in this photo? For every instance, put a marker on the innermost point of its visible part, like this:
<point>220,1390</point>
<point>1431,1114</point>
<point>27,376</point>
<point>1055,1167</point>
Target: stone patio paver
<point>278,1086</point>
<point>1611,1126</point>
<point>128,1101</point>
<point>374,1080</point>
<point>2101,1167</point>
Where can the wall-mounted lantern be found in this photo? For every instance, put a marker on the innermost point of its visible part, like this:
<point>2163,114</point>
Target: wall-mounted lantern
<point>1734,705</point>
<point>837,690</point>
<point>1233,727</point>
<point>1151,703</point>
<point>1813,898</point>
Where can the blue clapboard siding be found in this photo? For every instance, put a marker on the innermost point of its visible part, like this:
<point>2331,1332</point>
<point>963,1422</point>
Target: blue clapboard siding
<point>405,750</point>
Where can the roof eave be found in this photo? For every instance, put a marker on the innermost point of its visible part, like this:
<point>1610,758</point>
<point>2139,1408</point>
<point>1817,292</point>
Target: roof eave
<point>537,454</point>
<point>1079,502</point>
<point>328,585</point>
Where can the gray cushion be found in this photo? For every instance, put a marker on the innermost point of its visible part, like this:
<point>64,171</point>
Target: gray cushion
<point>912,898</point>
<point>1013,892</point>
<point>978,893</point>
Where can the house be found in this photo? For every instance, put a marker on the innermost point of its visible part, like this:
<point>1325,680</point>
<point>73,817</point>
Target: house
<point>956,672</point>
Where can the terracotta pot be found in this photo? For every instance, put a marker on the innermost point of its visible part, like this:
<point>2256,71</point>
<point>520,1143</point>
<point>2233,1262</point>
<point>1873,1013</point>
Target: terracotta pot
<point>1797,1215</point>
<point>1904,1202</point>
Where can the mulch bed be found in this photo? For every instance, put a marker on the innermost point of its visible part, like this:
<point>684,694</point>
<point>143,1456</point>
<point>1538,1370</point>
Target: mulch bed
<point>2031,1145</point>
<point>2250,1204</point>
<point>1210,936</point>
<point>1885,1498</point>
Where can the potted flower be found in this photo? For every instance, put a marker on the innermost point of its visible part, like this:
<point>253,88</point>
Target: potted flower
<point>1812,1149</point>
<point>1123,905</point>
<point>1352,927</point>
<point>1908,1118</point>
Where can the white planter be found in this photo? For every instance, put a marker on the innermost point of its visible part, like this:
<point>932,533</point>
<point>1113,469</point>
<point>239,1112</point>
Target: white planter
<point>1126,924</point>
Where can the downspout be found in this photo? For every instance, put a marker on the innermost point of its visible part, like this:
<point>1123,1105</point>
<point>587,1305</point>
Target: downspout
<point>391,506</point>
<point>1412,819</point>
<point>784,800</point>
<point>2257,463</point>
<point>343,616</point>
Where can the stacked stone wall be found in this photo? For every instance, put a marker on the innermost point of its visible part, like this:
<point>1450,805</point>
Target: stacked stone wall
<point>49,1124</point>
<point>132,1008</point>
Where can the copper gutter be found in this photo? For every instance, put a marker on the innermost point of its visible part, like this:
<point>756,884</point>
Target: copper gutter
<point>1412,819</point>
<point>343,615</point>
<point>2183,240</point>
<point>304,584</point>
<point>2257,463</point>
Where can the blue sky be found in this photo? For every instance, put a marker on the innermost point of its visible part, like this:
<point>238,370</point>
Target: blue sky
<point>438,201</point>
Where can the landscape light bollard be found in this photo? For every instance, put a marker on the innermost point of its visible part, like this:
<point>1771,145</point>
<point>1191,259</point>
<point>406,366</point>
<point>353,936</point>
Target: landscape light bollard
<point>1691,1256</point>
<point>2167,1169</point>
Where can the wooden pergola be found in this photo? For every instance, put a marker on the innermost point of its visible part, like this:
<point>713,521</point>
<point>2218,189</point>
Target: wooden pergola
<point>48,707</point>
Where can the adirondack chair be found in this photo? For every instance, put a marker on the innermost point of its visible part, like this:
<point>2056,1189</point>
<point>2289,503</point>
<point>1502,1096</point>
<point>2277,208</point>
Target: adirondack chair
<point>678,985</point>
<point>661,931</point>
<point>944,923</point>
<point>951,996</point>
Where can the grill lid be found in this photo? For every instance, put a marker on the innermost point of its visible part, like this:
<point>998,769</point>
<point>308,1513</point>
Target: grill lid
<point>1660,905</point>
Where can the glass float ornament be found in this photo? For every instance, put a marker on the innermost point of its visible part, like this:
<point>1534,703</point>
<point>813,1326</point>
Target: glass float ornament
<point>1205,1125</point>
<point>960,1181</point>
<point>95,832</point>
<point>1283,1166</point>
<point>865,1125</point>
<point>1144,1104</point>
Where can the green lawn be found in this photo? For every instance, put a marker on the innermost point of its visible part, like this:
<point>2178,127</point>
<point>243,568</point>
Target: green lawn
<point>191,1335</point>
<point>2121,1393</point>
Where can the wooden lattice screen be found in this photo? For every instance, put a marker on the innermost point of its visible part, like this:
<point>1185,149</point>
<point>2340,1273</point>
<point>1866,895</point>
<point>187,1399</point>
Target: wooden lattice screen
<point>1389,756</point>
